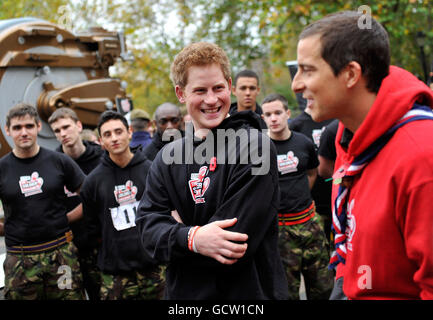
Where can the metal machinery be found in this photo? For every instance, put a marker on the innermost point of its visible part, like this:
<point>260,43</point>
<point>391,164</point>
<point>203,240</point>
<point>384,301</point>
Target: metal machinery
<point>49,67</point>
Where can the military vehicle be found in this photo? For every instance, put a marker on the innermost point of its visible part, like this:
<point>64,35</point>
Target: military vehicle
<point>49,67</point>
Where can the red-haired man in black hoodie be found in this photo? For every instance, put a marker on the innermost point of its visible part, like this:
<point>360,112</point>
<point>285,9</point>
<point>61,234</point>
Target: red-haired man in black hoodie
<point>223,242</point>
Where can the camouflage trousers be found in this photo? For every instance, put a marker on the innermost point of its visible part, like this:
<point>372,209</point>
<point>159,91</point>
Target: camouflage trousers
<point>147,285</point>
<point>49,275</point>
<point>303,249</point>
<point>91,273</point>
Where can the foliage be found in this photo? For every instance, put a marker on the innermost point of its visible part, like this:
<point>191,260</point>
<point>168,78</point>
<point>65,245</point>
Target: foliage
<point>10,9</point>
<point>261,35</point>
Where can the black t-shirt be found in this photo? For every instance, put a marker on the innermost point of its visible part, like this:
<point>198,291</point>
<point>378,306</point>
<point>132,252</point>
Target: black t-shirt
<point>327,141</point>
<point>84,230</point>
<point>295,156</point>
<point>307,126</point>
<point>322,189</point>
<point>33,195</point>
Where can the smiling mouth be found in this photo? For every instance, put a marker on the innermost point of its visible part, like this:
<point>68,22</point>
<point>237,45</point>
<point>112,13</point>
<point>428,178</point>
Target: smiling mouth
<point>210,111</point>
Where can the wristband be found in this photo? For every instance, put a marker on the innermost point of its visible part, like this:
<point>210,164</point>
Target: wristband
<point>191,234</point>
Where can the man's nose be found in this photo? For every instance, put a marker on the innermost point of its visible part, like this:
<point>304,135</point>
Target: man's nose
<point>169,124</point>
<point>297,84</point>
<point>24,131</point>
<point>210,98</point>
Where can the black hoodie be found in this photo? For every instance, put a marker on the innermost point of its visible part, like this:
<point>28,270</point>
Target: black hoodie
<point>110,194</point>
<point>224,191</point>
<point>152,149</point>
<point>85,237</point>
<point>234,109</point>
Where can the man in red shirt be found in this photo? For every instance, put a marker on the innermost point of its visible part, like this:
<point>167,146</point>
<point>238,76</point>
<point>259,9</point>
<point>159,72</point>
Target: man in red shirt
<point>382,215</point>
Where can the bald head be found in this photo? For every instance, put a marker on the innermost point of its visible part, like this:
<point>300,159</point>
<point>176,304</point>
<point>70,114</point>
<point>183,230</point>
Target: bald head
<point>167,116</point>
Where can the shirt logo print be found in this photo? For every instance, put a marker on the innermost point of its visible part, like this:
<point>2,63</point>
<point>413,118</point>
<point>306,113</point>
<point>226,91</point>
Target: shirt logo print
<point>198,184</point>
<point>287,162</point>
<point>125,193</point>
<point>31,185</point>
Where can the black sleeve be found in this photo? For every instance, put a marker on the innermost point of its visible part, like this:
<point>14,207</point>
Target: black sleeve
<point>252,199</point>
<point>90,202</point>
<point>294,125</point>
<point>327,141</point>
<point>74,176</point>
<point>163,238</point>
<point>313,159</point>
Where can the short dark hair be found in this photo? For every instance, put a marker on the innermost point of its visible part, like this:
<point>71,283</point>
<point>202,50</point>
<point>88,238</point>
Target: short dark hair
<point>20,110</point>
<point>63,113</point>
<point>276,97</point>
<point>343,41</point>
<point>246,74</point>
<point>111,115</point>
<point>139,124</point>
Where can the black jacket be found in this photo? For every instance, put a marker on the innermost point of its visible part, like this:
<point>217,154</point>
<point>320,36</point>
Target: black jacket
<point>257,113</point>
<point>152,149</point>
<point>110,194</point>
<point>230,190</point>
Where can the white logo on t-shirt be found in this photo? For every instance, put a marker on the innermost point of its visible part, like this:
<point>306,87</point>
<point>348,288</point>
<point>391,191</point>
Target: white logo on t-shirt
<point>123,216</point>
<point>287,162</point>
<point>31,185</point>
<point>317,133</point>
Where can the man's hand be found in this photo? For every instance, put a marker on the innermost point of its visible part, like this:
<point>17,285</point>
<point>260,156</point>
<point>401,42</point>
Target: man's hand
<point>176,216</point>
<point>213,241</point>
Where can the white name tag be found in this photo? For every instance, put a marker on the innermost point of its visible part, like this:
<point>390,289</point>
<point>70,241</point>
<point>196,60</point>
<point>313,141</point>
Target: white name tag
<point>124,216</point>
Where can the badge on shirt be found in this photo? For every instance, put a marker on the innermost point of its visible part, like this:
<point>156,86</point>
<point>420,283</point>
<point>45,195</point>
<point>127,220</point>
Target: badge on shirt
<point>316,134</point>
<point>31,185</point>
<point>125,193</point>
<point>123,216</point>
<point>287,162</point>
<point>198,184</point>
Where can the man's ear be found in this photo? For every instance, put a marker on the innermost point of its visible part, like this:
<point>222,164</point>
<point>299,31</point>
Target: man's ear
<point>39,125</point>
<point>180,93</point>
<point>80,126</point>
<point>353,74</point>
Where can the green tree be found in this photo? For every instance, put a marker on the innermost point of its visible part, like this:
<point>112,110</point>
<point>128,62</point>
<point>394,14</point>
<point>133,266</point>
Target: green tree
<point>268,30</point>
<point>47,10</point>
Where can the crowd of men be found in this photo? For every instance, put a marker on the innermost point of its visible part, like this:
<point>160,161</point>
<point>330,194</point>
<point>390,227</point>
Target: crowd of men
<point>120,217</point>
